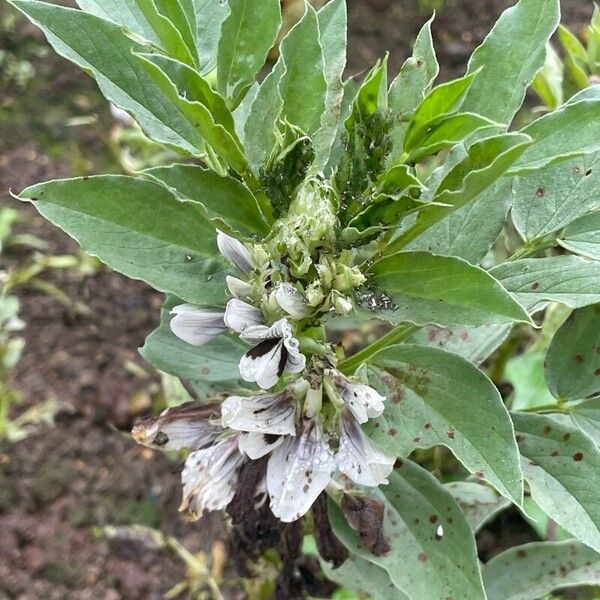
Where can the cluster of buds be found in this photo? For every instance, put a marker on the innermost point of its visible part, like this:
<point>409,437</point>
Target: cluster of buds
<point>305,422</point>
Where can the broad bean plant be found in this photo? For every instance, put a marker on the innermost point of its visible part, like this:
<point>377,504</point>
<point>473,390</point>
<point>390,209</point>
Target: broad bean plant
<point>304,205</point>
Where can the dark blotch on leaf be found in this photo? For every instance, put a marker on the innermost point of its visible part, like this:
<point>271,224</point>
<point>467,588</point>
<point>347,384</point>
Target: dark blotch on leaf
<point>365,515</point>
<point>578,456</point>
<point>540,192</point>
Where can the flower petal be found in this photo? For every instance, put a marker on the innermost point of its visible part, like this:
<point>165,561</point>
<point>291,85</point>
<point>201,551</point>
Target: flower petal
<point>265,363</point>
<point>237,287</point>
<point>267,413</point>
<point>196,325</point>
<point>296,361</point>
<point>240,315</point>
<point>256,445</point>
<point>358,458</point>
<point>187,426</point>
<point>298,471</point>
<point>257,333</point>
<point>291,300</point>
<point>210,477</point>
<point>235,252</point>
<point>364,402</point>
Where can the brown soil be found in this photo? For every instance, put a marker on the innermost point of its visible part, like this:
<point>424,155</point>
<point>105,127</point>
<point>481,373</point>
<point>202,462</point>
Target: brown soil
<point>57,484</point>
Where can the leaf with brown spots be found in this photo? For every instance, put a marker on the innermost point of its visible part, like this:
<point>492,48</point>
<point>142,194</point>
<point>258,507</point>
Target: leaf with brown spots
<point>562,468</point>
<point>464,409</point>
<point>537,569</point>
<point>572,362</point>
<point>421,564</point>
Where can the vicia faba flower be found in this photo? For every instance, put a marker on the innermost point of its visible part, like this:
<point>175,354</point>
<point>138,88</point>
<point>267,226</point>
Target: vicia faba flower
<point>306,450</point>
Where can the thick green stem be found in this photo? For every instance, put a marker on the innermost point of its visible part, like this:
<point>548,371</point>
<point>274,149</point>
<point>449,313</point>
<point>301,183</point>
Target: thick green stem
<point>395,336</point>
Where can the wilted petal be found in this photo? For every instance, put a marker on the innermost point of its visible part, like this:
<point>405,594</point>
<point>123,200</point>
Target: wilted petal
<point>366,515</point>
<point>240,315</point>
<point>237,287</point>
<point>364,402</point>
<point>185,426</point>
<point>291,300</point>
<point>256,445</point>
<point>235,252</point>
<point>299,470</point>
<point>358,458</point>
<point>210,477</point>
<point>268,413</point>
<point>196,325</point>
<point>265,363</point>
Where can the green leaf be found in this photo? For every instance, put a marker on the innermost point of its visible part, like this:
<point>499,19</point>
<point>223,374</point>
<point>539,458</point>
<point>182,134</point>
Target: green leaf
<point>550,198</point>
<point>548,83</point>
<point>125,13</point>
<point>486,161</point>
<point>182,15</point>
<point>197,113</point>
<point>260,129</point>
<point>303,87</point>
<point>247,35</point>
<point>408,88</point>
<point>434,397</point>
<point>586,415</point>
<point>571,44</point>
<point>511,55</point>
<point>365,578</point>
<point>470,231</point>
<point>216,361</point>
<point>139,229</point>
<point>572,130</point>
<point>573,358</point>
<point>426,288</point>
<point>571,280</point>
<point>479,503</point>
<point>475,344</point>
<point>542,524</point>
<point>525,373</point>
<point>534,570</point>
<point>210,15</point>
<point>225,199</point>
<point>582,236</point>
<point>175,39</point>
<point>332,34</point>
<point>442,101</point>
<point>418,563</point>
<point>561,465</point>
<point>102,49</point>
<point>441,133</point>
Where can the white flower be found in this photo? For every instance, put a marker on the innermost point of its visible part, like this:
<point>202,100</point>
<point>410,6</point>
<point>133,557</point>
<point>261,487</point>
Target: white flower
<point>186,426</point>
<point>240,315</point>
<point>210,477</point>
<point>276,352</point>
<point>299,469</point>
<point>196,325</point>
<point>265,414</point>
<point>238,288</point>
<point>235,252</point>
<point>358,458</point>
<point>364,402</point>
<point>256,445</point>
<point>291,300</point>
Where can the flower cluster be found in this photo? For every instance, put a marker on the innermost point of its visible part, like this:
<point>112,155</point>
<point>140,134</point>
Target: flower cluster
<point>306,420</point>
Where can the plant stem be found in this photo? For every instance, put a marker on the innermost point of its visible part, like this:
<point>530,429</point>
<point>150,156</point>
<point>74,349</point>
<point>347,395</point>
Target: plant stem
<point>532,247</point>
<point>396,335</point>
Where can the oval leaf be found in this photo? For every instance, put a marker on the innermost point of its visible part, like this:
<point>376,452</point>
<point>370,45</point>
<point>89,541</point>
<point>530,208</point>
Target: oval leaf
<point>140,229</point>
<point>561,465</point>
<point>425,288</point>
<point>534,570</point>
<point>573,360</point>
<point>434,397</point>
<point>422,564</point>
